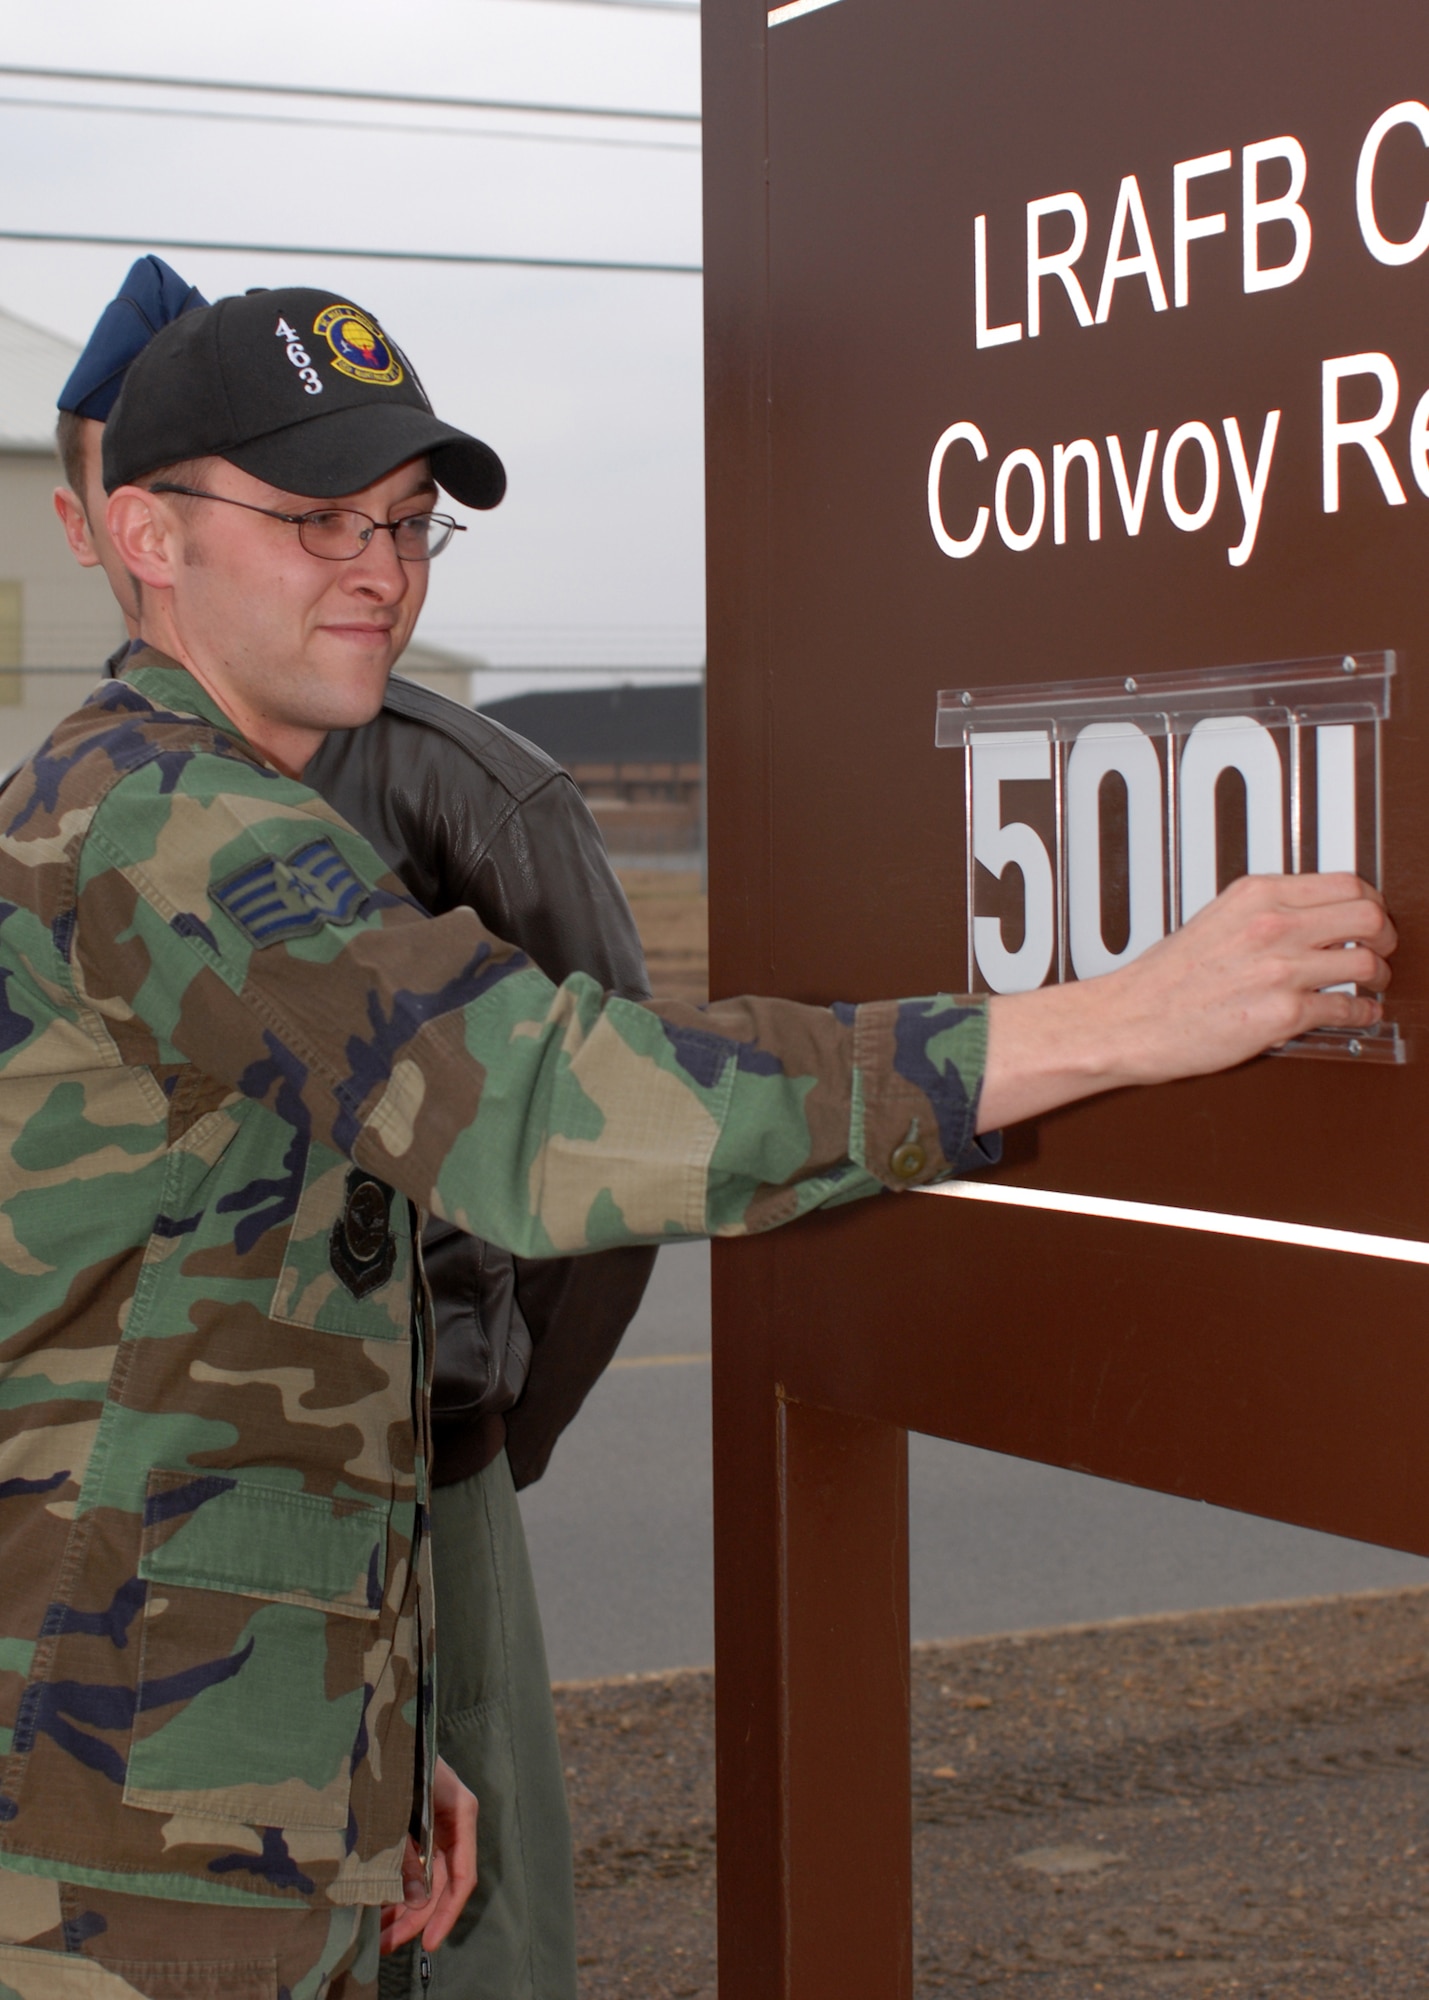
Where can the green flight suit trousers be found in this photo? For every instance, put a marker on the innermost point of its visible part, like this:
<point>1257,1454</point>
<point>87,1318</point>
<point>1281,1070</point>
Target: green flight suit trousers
<point>496,1727</point>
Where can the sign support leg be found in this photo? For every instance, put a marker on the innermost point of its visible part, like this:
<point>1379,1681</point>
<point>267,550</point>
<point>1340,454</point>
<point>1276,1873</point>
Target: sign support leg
<point>812,1694</point>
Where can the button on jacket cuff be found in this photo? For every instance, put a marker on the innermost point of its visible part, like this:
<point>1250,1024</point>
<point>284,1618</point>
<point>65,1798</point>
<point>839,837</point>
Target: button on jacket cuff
<point>918,1068</point>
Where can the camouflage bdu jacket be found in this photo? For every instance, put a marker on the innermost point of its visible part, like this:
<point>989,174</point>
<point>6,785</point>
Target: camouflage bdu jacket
<point>235,1064</point>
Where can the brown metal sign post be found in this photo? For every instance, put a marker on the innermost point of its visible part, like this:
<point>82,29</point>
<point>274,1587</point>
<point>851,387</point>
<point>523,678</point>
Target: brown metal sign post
<point>1069,506</point>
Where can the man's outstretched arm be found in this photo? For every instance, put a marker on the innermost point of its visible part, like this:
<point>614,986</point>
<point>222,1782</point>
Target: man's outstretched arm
<point>559,1119</point>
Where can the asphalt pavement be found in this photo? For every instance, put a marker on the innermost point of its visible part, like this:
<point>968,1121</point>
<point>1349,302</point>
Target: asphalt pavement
<point>621,1540</point>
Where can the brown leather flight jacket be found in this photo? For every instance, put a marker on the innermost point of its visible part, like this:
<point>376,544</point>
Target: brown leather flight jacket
<point>467,813</point>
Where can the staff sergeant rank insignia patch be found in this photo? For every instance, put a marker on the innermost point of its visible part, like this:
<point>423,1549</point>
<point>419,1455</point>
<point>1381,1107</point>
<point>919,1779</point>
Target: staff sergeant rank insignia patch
<point>272,900</point>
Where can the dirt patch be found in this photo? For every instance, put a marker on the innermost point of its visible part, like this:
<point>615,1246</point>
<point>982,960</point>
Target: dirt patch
<point>1235,1803</point>
<point>672,916</point>
<point>639,1759</point>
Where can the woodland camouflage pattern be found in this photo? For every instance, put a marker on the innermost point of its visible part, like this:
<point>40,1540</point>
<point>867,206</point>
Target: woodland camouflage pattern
<point>66,1941</point>
<point>235,1062</point>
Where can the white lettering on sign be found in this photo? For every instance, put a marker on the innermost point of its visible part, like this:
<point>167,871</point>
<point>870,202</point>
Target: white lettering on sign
<point>1101,814</point>
<point>1419,444</point>
<point>1250,486</point>
<point>1365,432</point>
<point>1101,750</point>
<point>1131,250</point>
<point>954,545</point>
<point>987,336</point>
<point>1191,519</point>
<point>1031,464</point>
<point>1000,844</point>
<point>1130,211</point>
<point>1064,456</point>
<point>1260,213</point>
<point>1186,228</point>
<point>1133,498</point>
<point>1388,251</point>
<point>1067,242</point>
<point>1337,841</point>
<point>1056,263</point>
<point>1190,482</point>
<point>1219,744</point>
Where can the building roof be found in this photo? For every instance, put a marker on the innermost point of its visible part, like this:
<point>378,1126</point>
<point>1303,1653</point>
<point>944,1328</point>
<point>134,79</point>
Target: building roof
<point>34,365</point>
<point>619,725</point>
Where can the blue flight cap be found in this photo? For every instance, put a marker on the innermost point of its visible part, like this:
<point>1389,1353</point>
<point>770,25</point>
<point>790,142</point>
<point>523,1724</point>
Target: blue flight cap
<point>151,296</point>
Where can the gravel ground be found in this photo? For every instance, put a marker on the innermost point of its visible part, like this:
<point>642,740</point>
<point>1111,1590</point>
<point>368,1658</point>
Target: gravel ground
<point>1230,1803</point>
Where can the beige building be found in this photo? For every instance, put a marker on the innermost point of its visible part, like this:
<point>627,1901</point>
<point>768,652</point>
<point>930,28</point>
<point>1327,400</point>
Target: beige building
<point>57,621</point>
<point>437,667</point>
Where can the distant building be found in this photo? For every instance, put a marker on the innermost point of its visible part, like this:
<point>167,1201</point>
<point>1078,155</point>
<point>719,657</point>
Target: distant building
<point>53,614</point>
<point>437,667</point>
<point>637,754</point>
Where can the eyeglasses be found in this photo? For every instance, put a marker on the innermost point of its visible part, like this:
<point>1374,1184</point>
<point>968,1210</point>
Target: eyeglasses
<point>340,534</point>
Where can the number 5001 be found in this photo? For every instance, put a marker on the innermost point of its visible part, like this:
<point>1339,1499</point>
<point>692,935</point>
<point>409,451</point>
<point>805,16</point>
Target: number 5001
<point>1101,814</point>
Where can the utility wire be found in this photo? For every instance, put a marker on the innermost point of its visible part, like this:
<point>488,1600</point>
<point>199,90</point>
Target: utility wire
<point>338,250</point>
<point>357,124</point>
<point>351,96</point>
<point>625,671</point>
<point>640,6</point>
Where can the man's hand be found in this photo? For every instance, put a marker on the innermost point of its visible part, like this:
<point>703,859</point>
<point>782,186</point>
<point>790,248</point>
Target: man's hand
<point>453,1869</point>
<point>1247,973</point>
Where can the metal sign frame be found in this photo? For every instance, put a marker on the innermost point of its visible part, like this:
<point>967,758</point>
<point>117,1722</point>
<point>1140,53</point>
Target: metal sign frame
<point>1217,1289</point>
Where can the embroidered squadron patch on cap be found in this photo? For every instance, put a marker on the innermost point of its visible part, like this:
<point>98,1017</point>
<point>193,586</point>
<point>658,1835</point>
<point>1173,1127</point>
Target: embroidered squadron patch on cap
<point>358,346</point>
<point>272,900</point>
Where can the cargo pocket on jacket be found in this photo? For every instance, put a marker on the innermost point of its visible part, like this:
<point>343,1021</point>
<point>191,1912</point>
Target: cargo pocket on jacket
<point>260,1607</point>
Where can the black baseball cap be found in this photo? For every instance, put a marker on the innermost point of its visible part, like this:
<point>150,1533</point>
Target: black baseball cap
<point>295,386</point>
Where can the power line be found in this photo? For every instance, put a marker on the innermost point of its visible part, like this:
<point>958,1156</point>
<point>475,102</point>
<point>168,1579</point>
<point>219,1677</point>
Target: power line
<point>356,124</point>
<point>337,250</point>
<point>495,667</point>
<point>641,6</point>
<point>351,96</point>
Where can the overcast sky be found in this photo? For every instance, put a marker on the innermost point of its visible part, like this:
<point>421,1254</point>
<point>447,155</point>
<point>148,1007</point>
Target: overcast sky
<point>588,385</point>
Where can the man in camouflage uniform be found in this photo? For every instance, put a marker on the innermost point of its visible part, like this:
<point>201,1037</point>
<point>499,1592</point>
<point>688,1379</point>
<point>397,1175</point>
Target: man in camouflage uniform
<point>235,1062</point>
<point>464,813</point>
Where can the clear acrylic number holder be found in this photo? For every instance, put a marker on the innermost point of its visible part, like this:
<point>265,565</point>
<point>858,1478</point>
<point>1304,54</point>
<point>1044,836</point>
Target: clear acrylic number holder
<point>1102,814</point>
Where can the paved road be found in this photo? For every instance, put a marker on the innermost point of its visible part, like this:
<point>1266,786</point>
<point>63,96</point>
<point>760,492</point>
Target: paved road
<point>620,1526</point>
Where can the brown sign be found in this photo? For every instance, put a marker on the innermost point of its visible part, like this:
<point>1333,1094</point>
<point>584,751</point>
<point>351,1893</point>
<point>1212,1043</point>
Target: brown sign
<point>1069,501</point>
